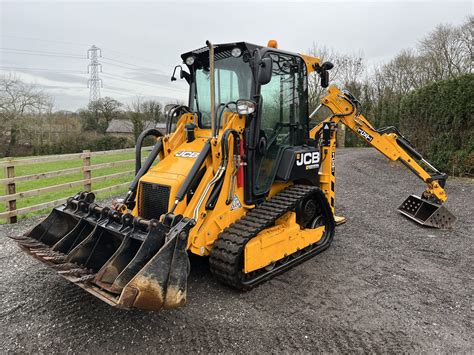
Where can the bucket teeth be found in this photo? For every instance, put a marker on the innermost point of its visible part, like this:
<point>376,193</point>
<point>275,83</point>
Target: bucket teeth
<point>86,278</point>
<point>31,243</point>
<point>63,267</point>
<point>19,238</point>
<point>45,253</point>
<point>58,259</point>
<point>73,272</point>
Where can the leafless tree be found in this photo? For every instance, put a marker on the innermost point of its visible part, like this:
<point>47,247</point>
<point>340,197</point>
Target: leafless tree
<point>137,116</point>
<point>18,99</point>
<point>153,111</point>
<point>105,109</point>
<point>447,51</point>
<point>348,69</point>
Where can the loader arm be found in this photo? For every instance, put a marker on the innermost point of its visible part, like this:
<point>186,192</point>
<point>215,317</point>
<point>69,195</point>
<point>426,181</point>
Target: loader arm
<point>391,143</point>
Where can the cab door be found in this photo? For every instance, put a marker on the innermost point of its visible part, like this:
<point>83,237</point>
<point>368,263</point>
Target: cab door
<point>282,117</point>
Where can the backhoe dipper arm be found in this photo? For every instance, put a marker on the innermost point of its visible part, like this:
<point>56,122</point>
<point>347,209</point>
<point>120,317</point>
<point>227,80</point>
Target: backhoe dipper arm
<point>388,141</point>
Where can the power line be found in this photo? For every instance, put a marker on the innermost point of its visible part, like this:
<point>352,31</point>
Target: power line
<point>46,40</point>
<point>122,78</point>
<point>119,61</point>
<point>136,70</point>
<point>150,62</point>
<point>42,69</point>
<point>41,52</point>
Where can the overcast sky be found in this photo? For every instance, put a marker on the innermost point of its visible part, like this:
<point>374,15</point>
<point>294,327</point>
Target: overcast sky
<point>46,42</point>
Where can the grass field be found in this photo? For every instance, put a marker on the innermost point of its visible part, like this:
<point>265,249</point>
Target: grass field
<point>60,165</point>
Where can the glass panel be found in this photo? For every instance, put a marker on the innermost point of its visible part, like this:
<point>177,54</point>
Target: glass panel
<point>283,115</point>
<point>233,80</point>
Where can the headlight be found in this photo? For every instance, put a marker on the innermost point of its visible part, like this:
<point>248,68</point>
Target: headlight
<point>190,60</point>
<point>245,107</point>
<point>236,52</point>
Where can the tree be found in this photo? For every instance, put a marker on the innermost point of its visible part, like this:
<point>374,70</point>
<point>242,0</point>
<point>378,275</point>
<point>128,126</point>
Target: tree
<point>105,109</point>
<point>447,51</point>
<point>348,70</point>
<point>137,117</point>
<point>16,100</point>
<point>153,111</point>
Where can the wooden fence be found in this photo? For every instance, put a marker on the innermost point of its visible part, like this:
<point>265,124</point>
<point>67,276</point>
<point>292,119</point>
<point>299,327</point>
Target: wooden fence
<point>11,196</point>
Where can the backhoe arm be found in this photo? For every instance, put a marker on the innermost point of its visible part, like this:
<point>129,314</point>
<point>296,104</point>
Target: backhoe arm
<point>388,141</point>
<point>345,109</point>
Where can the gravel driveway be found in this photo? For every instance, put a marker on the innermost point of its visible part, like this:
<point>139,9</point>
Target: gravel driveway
<point>385,285</point>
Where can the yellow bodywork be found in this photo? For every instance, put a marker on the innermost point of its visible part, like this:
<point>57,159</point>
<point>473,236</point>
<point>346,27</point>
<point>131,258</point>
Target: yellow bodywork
<point>278,242</point>
<point>171,171</point>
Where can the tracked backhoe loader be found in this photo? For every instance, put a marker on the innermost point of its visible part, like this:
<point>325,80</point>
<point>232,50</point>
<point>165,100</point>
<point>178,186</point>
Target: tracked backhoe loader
<point>239,177</point>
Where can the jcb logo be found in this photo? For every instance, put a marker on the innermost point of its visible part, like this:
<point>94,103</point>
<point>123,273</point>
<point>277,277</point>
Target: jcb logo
<point>307,158</point>
<point>185,154</point>
<point>364,134</point>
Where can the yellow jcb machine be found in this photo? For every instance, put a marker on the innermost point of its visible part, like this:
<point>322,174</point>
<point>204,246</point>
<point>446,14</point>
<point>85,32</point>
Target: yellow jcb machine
<point>239,177</point>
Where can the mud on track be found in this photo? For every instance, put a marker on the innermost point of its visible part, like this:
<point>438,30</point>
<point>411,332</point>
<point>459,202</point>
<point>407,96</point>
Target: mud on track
<point>385,285</point>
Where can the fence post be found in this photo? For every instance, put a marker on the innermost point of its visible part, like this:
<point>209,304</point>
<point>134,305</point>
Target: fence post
<point>86,164</point>
<point>10,189</point>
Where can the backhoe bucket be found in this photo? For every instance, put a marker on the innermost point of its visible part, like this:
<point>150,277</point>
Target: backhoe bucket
<point>427,213</point>
<point>126,261</point>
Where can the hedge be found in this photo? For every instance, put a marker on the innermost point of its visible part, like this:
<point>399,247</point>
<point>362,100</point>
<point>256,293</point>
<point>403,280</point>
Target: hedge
<point>438,121</point>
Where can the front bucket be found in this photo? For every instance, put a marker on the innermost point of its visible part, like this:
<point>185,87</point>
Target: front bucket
<point>427,213</point>
<point>126,261</point>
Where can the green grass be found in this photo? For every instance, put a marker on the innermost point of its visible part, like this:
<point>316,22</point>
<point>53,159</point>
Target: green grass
<point>60,165</point>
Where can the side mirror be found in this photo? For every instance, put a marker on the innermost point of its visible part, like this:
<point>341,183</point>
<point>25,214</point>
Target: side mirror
<point>324,78</point>
<point>327,66</point>
<point>323,71</point>
<point>265,70</point>
<point>182,74</point>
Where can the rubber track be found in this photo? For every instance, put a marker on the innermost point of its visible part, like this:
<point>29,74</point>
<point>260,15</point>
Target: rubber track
<point>226,256</point>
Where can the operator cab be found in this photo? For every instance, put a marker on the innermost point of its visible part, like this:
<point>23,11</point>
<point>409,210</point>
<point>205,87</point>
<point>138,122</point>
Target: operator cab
<point>277,143</point>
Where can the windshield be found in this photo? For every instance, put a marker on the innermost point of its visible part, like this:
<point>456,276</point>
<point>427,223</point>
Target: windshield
<point>233,81</point>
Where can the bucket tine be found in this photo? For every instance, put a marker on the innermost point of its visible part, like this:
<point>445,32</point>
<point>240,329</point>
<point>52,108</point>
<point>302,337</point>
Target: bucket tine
<point>61,220</point>
<point>154,240</point>
<point>148,288</point>
<point>75,236</point>
<point>176,289</point>
<point>427,213</point>
<point>102,243</point>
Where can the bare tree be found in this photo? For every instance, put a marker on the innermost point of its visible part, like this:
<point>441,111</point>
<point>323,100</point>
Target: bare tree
<point>348,69</point>
<point>137,117</point>
<point>16,100</point>
<point>447,51</point>
<point>105,110</point>
<point>153,111</point>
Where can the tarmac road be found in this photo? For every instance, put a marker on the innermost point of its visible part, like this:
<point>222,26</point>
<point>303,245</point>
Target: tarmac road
<point>385,285</point>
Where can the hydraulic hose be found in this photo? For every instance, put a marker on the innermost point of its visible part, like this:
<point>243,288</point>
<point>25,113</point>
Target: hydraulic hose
<point>138,147</point>
<point>132,190</point>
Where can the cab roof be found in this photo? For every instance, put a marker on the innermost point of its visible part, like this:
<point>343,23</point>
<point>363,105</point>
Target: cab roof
<point>223,50</point>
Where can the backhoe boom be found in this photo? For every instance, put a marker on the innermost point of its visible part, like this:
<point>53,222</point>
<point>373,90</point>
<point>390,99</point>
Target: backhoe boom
<point>389,141</point>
